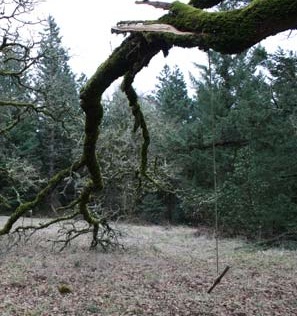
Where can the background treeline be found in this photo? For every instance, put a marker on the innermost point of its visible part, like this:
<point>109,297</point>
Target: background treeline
<point>244,106</point>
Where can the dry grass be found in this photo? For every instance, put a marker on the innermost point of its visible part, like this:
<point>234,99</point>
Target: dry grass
<point>163,271</point>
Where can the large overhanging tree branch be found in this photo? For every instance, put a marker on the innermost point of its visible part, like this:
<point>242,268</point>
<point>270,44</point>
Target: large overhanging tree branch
<point>227,32</point>
<point>185,26</point>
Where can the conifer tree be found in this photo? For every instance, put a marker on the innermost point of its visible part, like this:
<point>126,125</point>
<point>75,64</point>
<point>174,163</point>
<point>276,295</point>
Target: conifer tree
<point>58,94</point>
<point>254,142</point>
<point>171,95</point>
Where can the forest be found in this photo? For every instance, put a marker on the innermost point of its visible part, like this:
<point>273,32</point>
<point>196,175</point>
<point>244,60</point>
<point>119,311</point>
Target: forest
<point>222,148</point>
<point>180,201</point>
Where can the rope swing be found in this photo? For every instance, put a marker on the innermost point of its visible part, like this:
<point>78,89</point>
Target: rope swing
<point>216,213</point>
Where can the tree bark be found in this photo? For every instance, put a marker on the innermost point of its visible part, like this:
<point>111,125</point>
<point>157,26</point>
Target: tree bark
<point>228,32</point>
<point>234,31</point>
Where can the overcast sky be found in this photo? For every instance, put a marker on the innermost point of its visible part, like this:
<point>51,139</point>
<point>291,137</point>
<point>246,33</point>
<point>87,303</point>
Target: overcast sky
<point>85,28</point>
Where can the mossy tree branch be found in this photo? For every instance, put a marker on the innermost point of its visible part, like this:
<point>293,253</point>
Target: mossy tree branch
<point>138,118</point>
<point>201,4</point>
<point>236,30</point>
<point>15,50</point>
<point>25,207</point>
<point>229,31</point>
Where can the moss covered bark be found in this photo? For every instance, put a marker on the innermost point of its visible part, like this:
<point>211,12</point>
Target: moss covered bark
<point>139,119</point>
<point>236,30</point>
<point>23,208</point>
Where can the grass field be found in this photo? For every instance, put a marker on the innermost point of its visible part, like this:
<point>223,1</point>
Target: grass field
<point>162,271</point>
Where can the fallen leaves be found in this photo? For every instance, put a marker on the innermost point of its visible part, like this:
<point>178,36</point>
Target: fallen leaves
<point>140,281</point>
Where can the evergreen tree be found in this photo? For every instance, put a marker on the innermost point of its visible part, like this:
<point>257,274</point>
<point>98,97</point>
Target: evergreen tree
<point>58,95</point>
<point>255,144</point>
<point>171,95</point>
<point>174,112</point>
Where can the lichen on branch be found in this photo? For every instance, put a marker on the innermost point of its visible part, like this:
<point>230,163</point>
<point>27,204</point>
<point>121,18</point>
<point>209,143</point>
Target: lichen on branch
<point>22,209</point>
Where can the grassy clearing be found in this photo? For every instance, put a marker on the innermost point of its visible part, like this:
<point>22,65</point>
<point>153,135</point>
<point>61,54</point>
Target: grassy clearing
<point>163,271</point>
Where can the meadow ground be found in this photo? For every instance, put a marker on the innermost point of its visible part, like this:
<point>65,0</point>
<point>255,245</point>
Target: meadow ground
<point>162,271</point>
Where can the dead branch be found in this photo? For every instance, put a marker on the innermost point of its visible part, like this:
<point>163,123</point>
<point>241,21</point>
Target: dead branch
<point>125,27</point>
<point>218,279</point>
<point>35,228</point>
<point>156,4</point>
<point>107,237</point>
<point>103,235</point>
<point>68,232</point>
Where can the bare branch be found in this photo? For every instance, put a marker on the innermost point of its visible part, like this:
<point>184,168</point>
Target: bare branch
<point>123,28</point>
<point>18,104</point>
<point>35,228</point>
<point>156,4</point>
<point>23,208</point>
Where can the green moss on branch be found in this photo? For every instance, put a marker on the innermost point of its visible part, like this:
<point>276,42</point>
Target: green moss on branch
<point>23,208</point>
<point>236,30</point>
<point>134,54</point>
<point>139,119</point>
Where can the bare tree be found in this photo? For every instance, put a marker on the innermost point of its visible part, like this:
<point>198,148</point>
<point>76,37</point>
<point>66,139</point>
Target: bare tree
<point>184,25</point>
<point>18,55</point>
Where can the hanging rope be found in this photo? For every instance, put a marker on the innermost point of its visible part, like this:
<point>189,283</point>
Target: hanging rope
<point>213,124</point>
